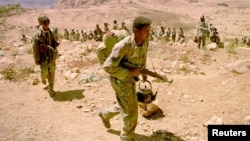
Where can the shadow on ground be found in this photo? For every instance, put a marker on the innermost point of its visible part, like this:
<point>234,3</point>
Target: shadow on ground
<point>68,95</point>
<point>158,114</point>
<point>160,135</point>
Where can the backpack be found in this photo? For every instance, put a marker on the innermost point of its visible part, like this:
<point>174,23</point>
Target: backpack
<point>109,40</point>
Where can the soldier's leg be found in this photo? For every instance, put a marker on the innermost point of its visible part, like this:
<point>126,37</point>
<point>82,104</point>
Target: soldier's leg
<point>110,112</point>
<point>203,41</point>
<point>51,75</point>
<point>44,71</point>
<point>199,42</point>
<point>107,114</point>
<point>127,100</point>
<point>204,47</point>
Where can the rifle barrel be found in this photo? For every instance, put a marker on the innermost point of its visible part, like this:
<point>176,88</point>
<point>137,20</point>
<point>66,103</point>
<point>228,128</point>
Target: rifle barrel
<point>146,71</point>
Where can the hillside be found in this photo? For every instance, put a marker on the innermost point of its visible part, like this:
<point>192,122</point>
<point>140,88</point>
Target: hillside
<point>31,3</point>
<point>205,89</point>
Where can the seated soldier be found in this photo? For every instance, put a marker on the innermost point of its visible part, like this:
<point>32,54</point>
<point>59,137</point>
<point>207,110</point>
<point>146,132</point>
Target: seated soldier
<point>214,36</point>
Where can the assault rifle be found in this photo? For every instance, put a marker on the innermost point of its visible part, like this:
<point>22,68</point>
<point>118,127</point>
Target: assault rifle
<point>49,47</point>
<point>146,71</point>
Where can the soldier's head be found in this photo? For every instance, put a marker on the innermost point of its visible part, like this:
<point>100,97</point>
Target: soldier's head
<point>141,28</point>
<point>44,22</point>
<point>202,18</point>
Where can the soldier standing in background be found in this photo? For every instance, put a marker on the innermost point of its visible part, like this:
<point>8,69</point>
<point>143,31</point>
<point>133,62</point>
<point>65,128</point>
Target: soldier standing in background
<point>72,35</point>
<point>44,44</point>
<point>202,33</point>
<point>98,33</point>
<point>124,27</point>
<point>162,34</point>
<point>181,36</point>
<point>173,34</point>
<point>115,25</point>
<point>106,28</point>
<point>66,34</point>
<point>168,33</point>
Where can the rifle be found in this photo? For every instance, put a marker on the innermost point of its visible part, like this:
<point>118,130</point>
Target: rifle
<point>49,47</point>
<point>146,71</point>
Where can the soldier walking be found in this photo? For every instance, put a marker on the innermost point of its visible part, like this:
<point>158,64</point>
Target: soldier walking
<point>132,49</point>
<point>44,44</point>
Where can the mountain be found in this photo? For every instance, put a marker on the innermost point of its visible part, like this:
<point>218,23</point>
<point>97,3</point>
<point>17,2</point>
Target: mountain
<point>31,3</point>
<point>87,3</point>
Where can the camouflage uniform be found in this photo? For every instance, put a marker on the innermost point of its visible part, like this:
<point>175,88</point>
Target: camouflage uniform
<point>202,33</point>
<point>173,34</point>
<point>124,84</point>
<point>66,34</point>
<point>168,33</point>
<point>98,33</point>
<point>106,28</point>
<point>43,56</point>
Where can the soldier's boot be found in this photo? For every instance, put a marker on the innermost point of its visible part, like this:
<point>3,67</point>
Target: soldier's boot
<point>51,92</point>
<point>105,122</point>
<point>44,81</point>
<point>46,87</point>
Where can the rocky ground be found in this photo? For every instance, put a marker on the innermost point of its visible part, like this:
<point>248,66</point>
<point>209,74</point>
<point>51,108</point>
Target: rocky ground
<point>205,89</point>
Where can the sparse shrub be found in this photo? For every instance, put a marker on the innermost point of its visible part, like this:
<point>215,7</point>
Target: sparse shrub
<point>8,8</point>
<point>184,58</point>
<point>17,71</point>
<point>223,4</point>
<point>231,48</point>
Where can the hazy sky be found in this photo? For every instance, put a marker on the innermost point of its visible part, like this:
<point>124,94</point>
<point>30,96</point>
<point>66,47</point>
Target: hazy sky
<point>30,3</point>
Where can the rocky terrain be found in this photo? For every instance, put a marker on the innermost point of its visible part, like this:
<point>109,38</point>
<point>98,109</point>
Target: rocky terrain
<point>205,90</point>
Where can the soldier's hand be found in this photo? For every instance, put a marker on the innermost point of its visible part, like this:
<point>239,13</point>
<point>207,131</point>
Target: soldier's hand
<point>144,77</point>
<point>38,63</point>
<point>135,72</point>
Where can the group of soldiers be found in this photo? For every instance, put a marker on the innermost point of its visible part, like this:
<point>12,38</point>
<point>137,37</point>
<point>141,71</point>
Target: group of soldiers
<point>164,34</point>
<point>96,34</point>
<point>206,31</point>
<point>168,35</point>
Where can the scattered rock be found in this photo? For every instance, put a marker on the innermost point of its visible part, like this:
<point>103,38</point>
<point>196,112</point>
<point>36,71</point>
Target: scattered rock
<point>214,121</point>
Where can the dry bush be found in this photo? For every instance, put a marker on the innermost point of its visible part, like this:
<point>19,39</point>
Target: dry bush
<point>231,46</point>
<point>18,71</point>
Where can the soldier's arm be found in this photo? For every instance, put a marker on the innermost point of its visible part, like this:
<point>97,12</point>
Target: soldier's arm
<point>112,63</point>
<point>35,47</point>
